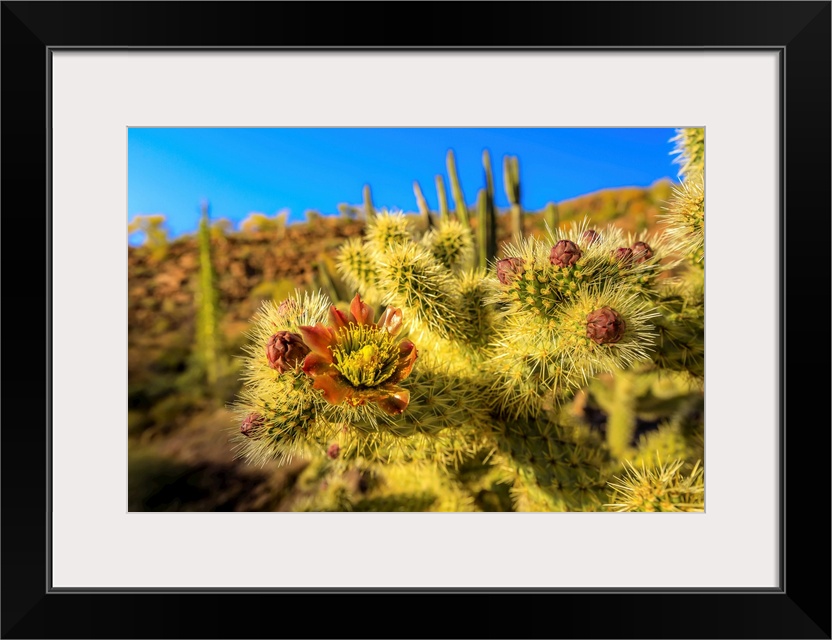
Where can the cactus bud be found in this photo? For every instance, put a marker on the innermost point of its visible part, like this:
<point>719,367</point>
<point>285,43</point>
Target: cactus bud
<point>284,350</point>
<point>641,252</point>
<point>287,307</point>
<point>605,326</point>
<point>590,237</point>
<point>333,451</point>
<point>624,255</point>
<point>251,425</point>
<point>564,254</point>
<point>509,268</point>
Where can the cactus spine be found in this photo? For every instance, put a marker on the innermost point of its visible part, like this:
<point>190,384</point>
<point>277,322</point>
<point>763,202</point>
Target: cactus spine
<point>456,190</point>
<point>511,181</point>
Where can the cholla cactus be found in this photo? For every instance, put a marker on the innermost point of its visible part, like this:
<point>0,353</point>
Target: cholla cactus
<point>465,390</point>
<point>662,487</point>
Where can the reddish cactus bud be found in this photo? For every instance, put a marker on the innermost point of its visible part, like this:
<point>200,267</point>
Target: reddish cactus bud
<point>641,252</point>
<point>333,451</point>
<point>624,255</point>
<point>510,268</point>
<point>287,307</point>
<point>564,254</point>
<point>251,425</point>
<point>590,237</point>
<point>284,350</point>
<point>605,326</point>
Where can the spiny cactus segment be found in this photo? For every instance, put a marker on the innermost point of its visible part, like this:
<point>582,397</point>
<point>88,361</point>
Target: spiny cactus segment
<point>478,370</point>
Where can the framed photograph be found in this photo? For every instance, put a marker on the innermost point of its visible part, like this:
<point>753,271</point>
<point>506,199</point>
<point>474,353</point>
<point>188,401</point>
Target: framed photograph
<point>308,472</point>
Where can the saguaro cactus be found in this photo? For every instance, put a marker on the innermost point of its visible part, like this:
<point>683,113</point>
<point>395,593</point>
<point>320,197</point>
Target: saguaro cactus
<point>511,181</point>
<point>207,299</point>
<point>550,216</point>
<point>442,196</point>
<point>487,216</point>
<point>369,209</point>
<point>456,189</point>
<point>424,209</point>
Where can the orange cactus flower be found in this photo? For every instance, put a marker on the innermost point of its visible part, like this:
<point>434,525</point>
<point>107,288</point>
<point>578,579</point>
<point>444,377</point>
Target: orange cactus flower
<point>357,361</point>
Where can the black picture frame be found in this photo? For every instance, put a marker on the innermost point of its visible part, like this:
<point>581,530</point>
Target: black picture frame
<point>799,608</point>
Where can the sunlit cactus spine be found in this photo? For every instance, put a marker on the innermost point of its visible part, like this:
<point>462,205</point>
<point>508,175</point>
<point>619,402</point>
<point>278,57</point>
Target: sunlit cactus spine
<point>685,212</point>
<point>660,487</point>
<point>683,301</point>
<point>358,267</point>
<point>690,150</point>
<point>451,244</point>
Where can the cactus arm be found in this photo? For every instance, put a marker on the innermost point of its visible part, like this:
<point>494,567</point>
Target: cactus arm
<point>511,181</point>
<point>207,299</point>
<point>442,196</point>
<point>424,209</point>
<point>551,216</point>
<point>456,189</point>
<point>488,216</point>
<point>369,209</point>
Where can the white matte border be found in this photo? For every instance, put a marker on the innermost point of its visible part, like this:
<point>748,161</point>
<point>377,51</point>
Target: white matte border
<point>97,543</point>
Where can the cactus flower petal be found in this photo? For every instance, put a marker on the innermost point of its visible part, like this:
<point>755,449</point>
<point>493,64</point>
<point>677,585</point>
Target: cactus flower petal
<point>337,318</point>
<point>334,390</point>
<point>319,339</point>
<point>356,361</point>
<point>407,356</point>
<point>395,403</point>
<point>316,365</point>
<point>391,320</point>
<point>362,312</point>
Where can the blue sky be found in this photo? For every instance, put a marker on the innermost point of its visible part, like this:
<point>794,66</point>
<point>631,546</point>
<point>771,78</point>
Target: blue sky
<point>241,170</point>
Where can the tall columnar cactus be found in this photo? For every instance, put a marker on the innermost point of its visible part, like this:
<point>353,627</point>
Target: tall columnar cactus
<point>550,216</point>
<point>511,181</point>
<point>456,189</point>
<point>450,388</point>
<point>486,216</point>
<point>207,300</point>
<point>442,197</point>
<point>424,209</point>
<point>369,209</point>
